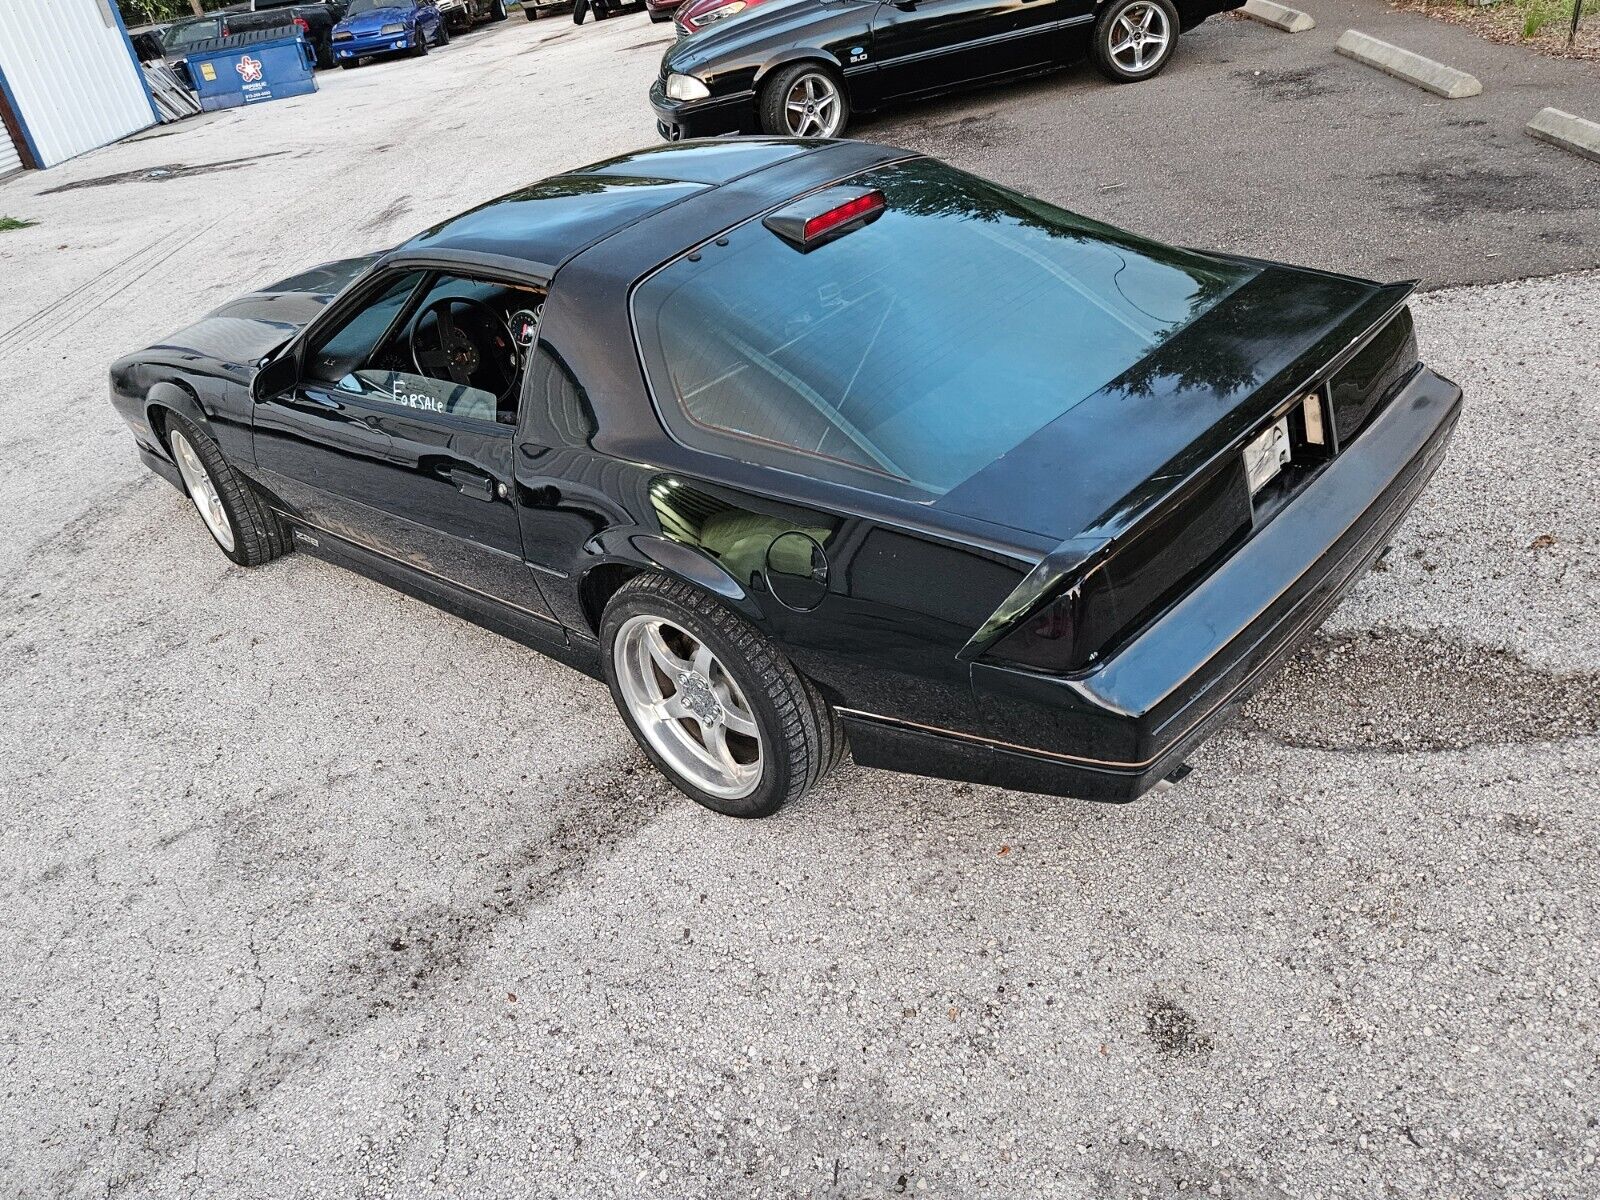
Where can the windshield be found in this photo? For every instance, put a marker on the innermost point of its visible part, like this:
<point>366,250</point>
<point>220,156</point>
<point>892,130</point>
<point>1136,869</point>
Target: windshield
<point>920,347</point>
<point>358,7</point>
<point>178,37</point>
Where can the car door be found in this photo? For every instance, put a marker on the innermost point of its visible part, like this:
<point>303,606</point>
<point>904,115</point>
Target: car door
<point>396,437</point>
<point>926,45</point>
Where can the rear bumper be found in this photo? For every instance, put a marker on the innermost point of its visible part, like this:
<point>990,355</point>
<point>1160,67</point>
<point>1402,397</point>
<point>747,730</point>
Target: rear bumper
<point>679,119</point>
<point>1112,733</point>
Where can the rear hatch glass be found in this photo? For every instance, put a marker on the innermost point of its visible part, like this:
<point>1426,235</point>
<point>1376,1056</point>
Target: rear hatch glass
<point>920,347</point>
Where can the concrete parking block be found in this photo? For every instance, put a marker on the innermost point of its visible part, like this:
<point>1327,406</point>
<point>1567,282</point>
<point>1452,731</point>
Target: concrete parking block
<point>1403,64</point>
<point>1279,16</point>
<point>1567,131</point>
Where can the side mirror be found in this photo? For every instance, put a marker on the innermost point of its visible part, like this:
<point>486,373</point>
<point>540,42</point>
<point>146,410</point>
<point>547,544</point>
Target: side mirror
<point>275,376</point>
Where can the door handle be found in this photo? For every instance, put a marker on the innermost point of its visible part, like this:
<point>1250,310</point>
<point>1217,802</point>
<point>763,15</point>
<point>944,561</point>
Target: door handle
<point>472,483</point>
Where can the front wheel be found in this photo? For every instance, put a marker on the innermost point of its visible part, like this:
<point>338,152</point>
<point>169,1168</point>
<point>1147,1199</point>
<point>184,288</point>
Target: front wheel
<point>235,514</point>
<point>804,100</point>
<point>419,47</point>
<point>1134,39</point>
<point>498,12</point>
<point>712,702</point>
<point>444,32</point>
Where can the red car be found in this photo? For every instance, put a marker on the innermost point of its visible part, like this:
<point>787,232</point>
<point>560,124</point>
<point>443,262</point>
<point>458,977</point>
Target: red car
<point>694,15</point>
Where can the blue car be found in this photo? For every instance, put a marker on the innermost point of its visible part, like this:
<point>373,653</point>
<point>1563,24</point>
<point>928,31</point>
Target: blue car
<point>388,27</point>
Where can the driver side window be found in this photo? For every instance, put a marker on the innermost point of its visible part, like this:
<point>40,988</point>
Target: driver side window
<point>436,343</point>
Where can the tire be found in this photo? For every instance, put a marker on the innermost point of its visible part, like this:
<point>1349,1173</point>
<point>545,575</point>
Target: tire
<point>531,11</point>
<point>257,533</point>
<point>1129,23</point>
<point>659,18</point>
<point>498,12</point>
<point>420,49</point>
<point>798,736</point>
<point>444,33</point>
<point>778,119</point>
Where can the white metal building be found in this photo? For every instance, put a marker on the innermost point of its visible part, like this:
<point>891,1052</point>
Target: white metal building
<point>69,81</point>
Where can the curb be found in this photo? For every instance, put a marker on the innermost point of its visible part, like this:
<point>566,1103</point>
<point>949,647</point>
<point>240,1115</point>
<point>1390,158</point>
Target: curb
<point>1403,64</point>
<point>1567,131</point>
<point>1290,20</point>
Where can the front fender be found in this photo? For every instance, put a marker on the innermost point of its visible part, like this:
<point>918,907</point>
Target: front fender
<point>797,54</point>
<point>175,397</point>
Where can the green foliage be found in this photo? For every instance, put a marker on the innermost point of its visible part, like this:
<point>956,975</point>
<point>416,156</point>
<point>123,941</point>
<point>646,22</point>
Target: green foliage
<point>7,224</point>
<point>149,12</point>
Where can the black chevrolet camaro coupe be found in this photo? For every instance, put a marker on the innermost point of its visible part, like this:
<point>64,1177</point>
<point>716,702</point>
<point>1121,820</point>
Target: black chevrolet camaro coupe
<point>793,441</point>
<point>798,68</point>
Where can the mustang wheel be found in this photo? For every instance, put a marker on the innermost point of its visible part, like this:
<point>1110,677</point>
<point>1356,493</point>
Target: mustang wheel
<point>1133,39</point>
<point>237,515</point>
<point>805,100</point>
<point>713,703</point>
<point>444,33</point>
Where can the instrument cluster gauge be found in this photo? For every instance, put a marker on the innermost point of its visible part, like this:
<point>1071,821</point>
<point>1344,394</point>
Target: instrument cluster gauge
<point>525,325</point>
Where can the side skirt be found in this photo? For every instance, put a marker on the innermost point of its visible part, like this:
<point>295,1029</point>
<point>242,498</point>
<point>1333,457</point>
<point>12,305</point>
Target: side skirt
<point>550,639</point>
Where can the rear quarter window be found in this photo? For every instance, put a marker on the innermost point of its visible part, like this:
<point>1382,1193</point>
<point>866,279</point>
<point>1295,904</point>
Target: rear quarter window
<point>918,348</point>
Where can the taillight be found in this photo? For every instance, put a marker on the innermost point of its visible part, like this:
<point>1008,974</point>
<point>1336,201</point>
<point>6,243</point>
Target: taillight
<point>850,210</point>
<point>305,25</point>
<point>825,215</point>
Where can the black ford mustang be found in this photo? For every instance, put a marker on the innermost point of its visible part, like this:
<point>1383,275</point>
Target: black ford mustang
<point>799,67</point>
<point>791,440</point>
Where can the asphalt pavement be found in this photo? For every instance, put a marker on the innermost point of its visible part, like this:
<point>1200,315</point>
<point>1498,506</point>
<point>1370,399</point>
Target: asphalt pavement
<point>311,890</point>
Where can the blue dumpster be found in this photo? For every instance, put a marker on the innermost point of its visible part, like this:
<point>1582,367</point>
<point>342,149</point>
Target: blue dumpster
<point>248,68</point>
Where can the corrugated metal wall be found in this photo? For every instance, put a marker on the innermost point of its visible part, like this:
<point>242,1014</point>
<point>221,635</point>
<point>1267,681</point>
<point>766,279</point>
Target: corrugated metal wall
<point>9,161</point>
<point>71,74</point>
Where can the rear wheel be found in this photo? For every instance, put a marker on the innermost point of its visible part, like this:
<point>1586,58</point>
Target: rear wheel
<point>234,512</point>
<point>1134,39</point>
<point>804,100</point>
<point>712,702</point>
<point>498,11</point>
<point>531,10</point>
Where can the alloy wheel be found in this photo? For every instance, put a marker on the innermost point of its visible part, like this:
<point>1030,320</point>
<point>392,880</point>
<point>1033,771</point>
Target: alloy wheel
<point>689,708</point>
<point>813,107</point>
<point>197,481</point>
<point>1139,37</point>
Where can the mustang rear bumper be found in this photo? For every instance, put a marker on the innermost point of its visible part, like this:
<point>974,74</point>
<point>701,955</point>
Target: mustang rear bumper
<point>1113,732</point>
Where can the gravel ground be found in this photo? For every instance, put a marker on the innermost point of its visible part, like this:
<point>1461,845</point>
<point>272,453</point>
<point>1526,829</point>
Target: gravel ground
<point>311,890</point>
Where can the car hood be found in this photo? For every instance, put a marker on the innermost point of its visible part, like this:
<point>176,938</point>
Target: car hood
<point>770,20</point>
<point>1111,459</point>
<point>243,331</point>
<point>371,22</point>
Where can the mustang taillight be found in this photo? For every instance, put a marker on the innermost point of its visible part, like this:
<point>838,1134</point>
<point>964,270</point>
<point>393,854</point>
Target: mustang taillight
<point>303,25</point>
<point>825,215</point>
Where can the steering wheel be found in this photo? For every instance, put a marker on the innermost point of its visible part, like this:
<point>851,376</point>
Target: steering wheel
<point>459,355</point>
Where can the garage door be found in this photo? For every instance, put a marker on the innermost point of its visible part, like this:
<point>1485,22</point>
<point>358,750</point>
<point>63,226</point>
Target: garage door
<point>71,74</point>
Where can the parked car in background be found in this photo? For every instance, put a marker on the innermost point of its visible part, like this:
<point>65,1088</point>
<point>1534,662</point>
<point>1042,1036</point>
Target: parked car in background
<point>694,15</point>
<point>791,440</point>
<point>662,10</point>
<point>534,9</point>
<point>464,15</point>
<point>798,68</point>
<point>315,21</point>
<point>374,27</point>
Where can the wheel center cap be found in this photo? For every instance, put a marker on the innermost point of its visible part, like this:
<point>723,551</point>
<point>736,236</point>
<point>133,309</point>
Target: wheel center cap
<point>698,698</point>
